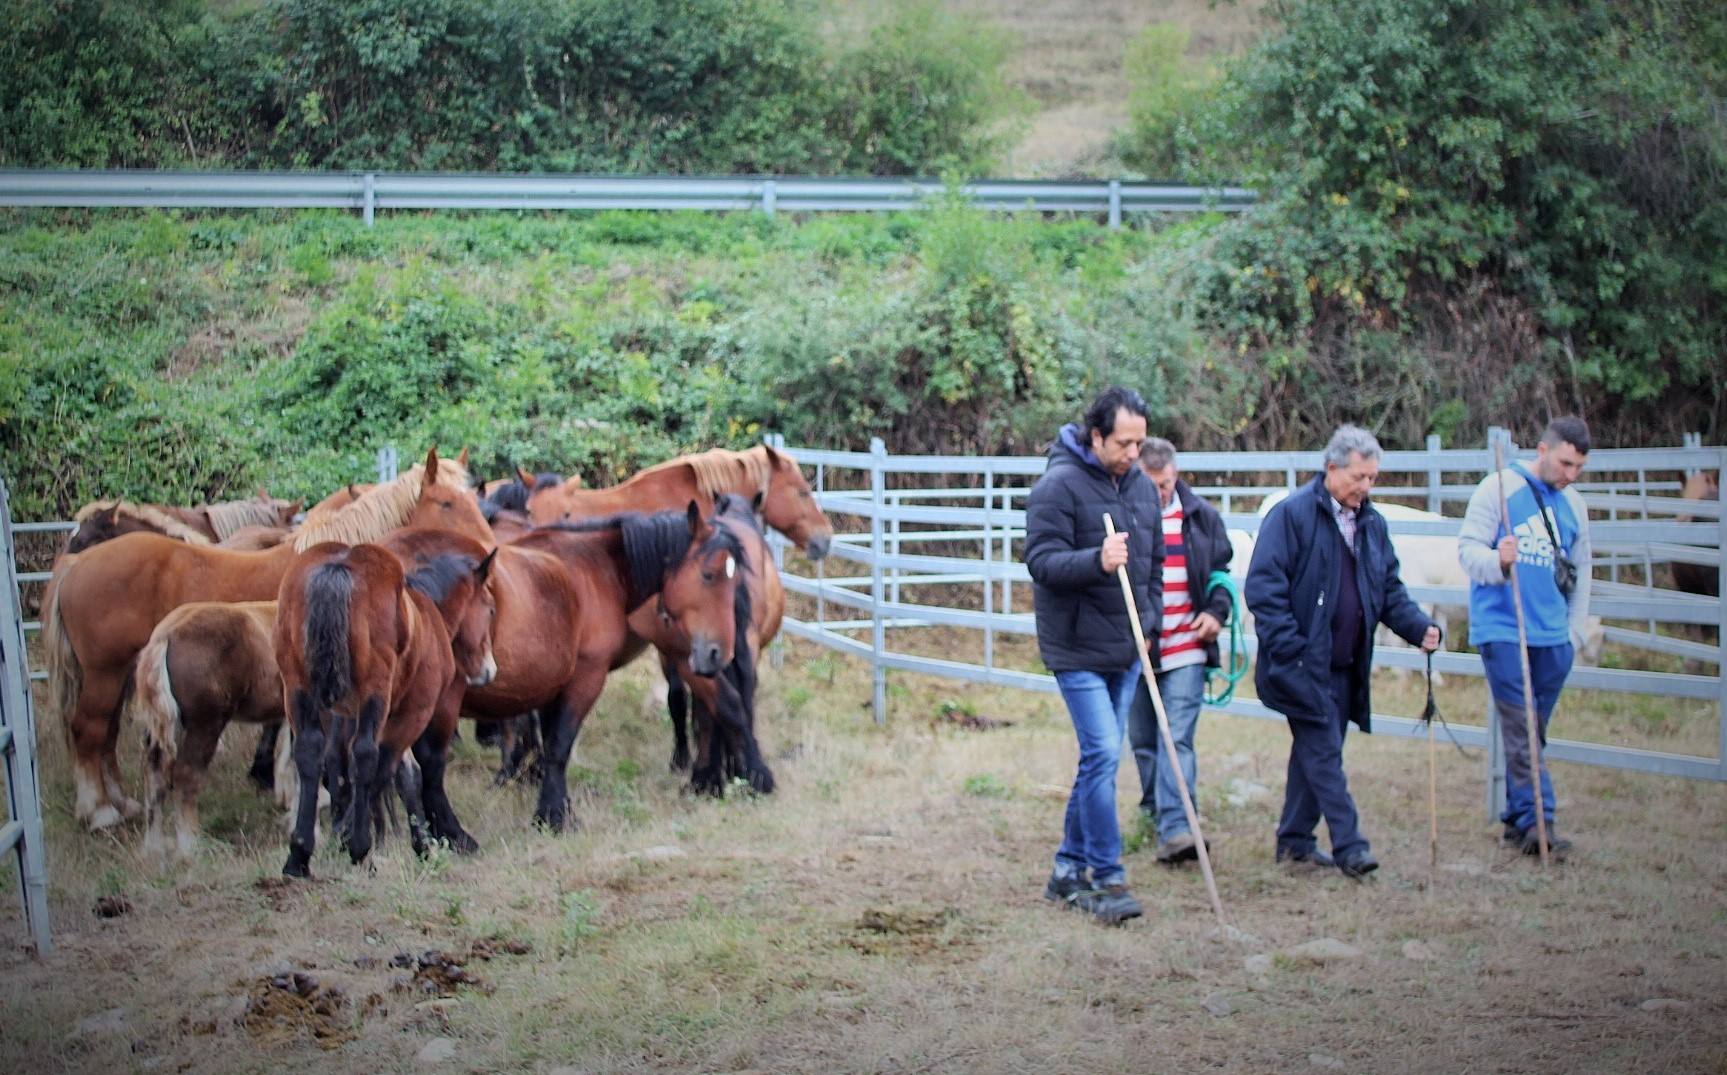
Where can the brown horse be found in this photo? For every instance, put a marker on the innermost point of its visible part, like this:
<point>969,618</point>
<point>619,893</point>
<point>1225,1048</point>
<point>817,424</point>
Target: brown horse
<point>564,594</point>
<point>723,694</point>
<point>1697,578</point>
<point>369,661</point>
<point>207,524</point>
<point>788,503</point>
<point>104,602</point>
<point>207,664</point>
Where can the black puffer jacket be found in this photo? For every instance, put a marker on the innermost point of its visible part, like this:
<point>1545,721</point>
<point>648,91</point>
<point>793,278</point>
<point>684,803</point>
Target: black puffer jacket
<point>1081,616</point>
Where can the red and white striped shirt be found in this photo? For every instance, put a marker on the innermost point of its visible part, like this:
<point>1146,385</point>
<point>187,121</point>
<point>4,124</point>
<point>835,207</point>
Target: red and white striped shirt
<point>1180,645</point>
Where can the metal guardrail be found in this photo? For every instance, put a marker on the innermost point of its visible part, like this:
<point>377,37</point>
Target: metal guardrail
<point>898,518</point>
<point>371,191</point>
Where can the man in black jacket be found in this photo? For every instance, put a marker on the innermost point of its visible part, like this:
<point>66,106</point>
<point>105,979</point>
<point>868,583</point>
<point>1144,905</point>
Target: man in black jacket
<point>1083,631</point>
<point>1195,543</point>
<point>1323,575</point>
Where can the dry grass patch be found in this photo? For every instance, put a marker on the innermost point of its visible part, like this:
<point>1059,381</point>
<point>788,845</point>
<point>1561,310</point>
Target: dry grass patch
<point>883,912</point>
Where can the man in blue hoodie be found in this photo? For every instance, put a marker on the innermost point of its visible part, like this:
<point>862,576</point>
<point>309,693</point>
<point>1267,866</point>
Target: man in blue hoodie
<point>1551,528</point>
<point>1083,631</point>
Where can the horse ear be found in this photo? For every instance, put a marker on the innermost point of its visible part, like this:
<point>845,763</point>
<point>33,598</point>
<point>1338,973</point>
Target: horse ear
<point>485,569</point>
<point>263,492</point>
<point>774,457</point>
<point>462,458</point>
<point>295,507</point>
<point>430,475</point>
<point>524,477</point>
<point>114,514</point>
<point>351,494</point>
<point>694,514</point>
<point>756,501</point>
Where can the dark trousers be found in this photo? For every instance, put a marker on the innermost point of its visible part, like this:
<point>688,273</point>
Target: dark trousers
<point>1316,785</point>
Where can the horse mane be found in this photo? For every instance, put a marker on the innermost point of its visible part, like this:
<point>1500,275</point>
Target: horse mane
<point>716,470</point>
<point>653,544</point>
<point>380,509</point>
<point>148,514</point>
<point>229,516</point>
<point>438,575</point>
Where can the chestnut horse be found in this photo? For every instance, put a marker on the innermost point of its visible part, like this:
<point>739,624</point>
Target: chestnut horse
<point>564,595</point>
<point>788,503</point>
<point>207,524</point>
<point>103,603</point>
<point>368,661</point>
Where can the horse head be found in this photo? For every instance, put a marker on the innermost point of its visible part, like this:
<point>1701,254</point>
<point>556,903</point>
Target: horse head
<point>445,501</point>
<point>699,595</point>
<point>454,571</point>
<point>789,505</point>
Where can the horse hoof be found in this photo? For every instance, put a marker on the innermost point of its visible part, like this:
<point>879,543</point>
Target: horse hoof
<point>300,870</point>
<point>131,808</point>
<point>463,844</point>
<point>762,781</point>
<point>105,817</point>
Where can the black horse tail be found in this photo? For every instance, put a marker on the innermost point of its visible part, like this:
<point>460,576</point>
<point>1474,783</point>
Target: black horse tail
<point>329,589</point>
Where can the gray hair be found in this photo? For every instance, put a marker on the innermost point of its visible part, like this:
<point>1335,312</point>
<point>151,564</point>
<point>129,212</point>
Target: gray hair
<point>1350,440</point>
<point>1155,453</point>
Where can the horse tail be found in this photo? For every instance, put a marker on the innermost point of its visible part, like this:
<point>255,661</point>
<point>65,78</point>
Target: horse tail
<point>65,674</point>
<point>153,703</point>
<point>329,589</point>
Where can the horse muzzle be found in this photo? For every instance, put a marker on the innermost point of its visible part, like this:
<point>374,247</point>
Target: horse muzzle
<point>817,546</point>
<point>487,673</point>
<point>707,657</point>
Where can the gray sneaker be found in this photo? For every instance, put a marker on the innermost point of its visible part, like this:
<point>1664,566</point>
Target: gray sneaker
<point>1112,904</point>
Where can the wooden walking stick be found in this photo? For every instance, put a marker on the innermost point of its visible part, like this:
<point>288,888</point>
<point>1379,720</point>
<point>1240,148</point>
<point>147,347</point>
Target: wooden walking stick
<point>1168,739</point>
<point>1523,660</point>
<point>1432,775</point>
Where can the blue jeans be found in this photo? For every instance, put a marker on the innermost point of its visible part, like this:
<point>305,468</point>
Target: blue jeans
<point>1091,833</point>
<point>1316,785</point>
<point>1183,690</point>
<point>1548,667</point>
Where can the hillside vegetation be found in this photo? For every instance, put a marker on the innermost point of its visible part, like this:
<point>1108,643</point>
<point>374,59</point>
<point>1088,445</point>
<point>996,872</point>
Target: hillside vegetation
<point>1471,213</point>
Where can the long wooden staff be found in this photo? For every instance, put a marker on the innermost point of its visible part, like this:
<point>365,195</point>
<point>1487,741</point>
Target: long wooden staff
<point>1168,739</point>
<point>1432,776</point>
<point>1523,660</point>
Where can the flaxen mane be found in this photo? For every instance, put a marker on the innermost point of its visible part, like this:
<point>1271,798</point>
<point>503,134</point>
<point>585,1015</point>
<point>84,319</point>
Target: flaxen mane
<point>378,510</point>
<point>717,470</point>
<point>148,514</point>
<point>225,518</point>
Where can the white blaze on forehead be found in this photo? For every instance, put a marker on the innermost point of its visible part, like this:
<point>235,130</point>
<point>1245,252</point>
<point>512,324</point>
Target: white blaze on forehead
<point>731,566</point>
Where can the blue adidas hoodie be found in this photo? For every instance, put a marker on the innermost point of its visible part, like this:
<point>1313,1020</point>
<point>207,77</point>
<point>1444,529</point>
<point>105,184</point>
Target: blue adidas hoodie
<point>1552,619</point>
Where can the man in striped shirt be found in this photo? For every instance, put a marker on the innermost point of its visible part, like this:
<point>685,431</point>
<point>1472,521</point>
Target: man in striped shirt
<point>1195,544</point>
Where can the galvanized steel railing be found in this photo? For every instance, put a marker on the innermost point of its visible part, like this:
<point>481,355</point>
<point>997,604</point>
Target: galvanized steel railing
<point>369,192</point>
<point>1639,531</point>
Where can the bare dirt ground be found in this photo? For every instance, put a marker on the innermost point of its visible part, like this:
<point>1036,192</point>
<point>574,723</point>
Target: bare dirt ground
<point>1069,62</point>
<point>882,913</point>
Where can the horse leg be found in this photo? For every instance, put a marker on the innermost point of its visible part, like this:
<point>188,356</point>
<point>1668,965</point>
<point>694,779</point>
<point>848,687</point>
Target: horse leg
<point>156,783</point>
<point>88,729</point>
<point>363,756</point>
<point>190,766</point>
<point>677,703</point>
<point>502,733</point>
<point>733,711</point>
<point>560,723</point>
<point>410,786</point>
<point>309,752</point>
<point>432,752</point>
<point>707,774</point>
<point>263,771</point>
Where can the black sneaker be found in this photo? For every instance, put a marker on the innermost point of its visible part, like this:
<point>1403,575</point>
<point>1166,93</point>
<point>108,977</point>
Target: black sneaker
<point>1179,848</point>
<point>1358,865</point>
<point>1557,846</point>
<point>1111,904</point>
<point>1065,890</point>
<point>1310,857</point>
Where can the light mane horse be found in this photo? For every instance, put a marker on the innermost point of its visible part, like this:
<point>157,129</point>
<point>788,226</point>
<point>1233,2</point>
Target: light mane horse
<point>103,603</point>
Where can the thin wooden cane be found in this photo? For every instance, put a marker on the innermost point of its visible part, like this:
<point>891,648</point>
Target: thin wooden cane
<point>1168,739</point>
<point>1432,780</point>
<point>1523,660</point>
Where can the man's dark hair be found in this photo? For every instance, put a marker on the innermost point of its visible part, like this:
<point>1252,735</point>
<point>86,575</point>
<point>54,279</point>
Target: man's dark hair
<point>1100,416</point>
<point>1567,429</point>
